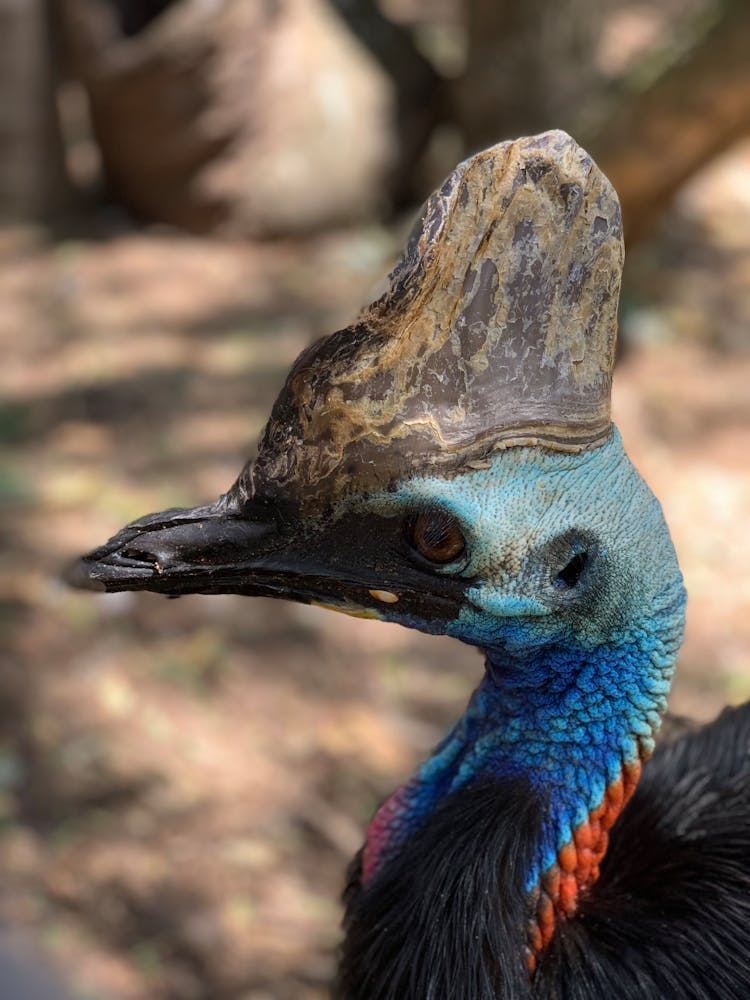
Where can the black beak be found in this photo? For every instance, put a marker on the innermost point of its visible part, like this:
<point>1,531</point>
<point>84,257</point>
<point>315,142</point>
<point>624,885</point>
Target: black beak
<point>265,548</point>
<point>230,546</point>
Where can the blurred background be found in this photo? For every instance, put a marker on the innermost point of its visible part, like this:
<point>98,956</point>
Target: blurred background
<point>191,191</point>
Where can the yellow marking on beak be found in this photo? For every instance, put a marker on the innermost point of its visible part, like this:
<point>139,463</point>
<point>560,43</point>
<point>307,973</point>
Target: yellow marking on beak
<point>344,610</point>
<point>383,595</point>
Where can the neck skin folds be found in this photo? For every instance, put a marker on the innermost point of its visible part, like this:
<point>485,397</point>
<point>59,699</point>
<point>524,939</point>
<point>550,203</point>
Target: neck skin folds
<point>575,722</point>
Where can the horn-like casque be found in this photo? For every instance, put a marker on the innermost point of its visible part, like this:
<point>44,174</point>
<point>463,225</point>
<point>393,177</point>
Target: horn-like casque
<point>497,329</point>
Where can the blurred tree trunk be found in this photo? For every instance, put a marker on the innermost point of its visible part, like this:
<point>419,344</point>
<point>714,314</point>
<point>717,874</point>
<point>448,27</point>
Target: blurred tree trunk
<point>657,138</point>
<point>529,66</point>
<point>134,15</point>
<point>33,181</point>
<point>532,66</point>
<point>418,90</point>
<point>246,117</point>
<point>148,94</point>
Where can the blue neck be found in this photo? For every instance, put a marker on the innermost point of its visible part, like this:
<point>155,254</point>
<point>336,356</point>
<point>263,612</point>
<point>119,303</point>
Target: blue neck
<point>566,717</point>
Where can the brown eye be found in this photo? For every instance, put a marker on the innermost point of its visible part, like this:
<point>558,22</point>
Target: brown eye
<point>436,535</point>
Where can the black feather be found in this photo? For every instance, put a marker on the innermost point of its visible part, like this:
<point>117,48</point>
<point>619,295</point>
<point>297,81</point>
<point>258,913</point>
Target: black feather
<point>447,918</point>
<point>668,918</point>
<point>670,914</point>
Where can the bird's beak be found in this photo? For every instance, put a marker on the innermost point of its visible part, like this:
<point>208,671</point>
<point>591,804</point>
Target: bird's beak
<point>230,546</point>
<point>264,547</point>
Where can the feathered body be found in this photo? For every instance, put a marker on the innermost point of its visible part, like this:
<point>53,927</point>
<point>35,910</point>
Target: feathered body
<point>449,463</point>
<point>668,917</point>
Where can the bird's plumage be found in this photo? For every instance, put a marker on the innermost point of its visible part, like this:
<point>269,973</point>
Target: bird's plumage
<point>448,463</point>
<point>668,917</point>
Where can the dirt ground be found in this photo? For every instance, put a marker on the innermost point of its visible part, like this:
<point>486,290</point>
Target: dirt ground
<point>183,782</point>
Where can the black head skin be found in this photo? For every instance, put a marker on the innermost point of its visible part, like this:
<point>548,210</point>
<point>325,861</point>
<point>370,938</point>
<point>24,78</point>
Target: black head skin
<point>252,546</point>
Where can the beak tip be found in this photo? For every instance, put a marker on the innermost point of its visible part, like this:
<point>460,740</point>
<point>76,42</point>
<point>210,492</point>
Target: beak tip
<point>78,574</point>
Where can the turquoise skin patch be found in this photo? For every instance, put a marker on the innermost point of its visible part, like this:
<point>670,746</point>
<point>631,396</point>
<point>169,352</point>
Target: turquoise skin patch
<point>576,676</point>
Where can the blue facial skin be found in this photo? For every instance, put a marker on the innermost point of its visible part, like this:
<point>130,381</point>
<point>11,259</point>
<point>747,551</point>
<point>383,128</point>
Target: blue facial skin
<point>576,677</point>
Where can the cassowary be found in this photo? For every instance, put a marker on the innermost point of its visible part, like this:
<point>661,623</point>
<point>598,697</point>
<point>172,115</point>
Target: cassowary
<point>448,463</point>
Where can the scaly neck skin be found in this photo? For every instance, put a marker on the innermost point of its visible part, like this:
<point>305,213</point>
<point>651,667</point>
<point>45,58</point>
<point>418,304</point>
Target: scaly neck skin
<point>576,676</point>
<point>573,721</point>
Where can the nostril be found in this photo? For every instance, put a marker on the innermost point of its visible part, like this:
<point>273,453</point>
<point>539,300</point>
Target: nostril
<point>570,574</point>
<point>139,555</point>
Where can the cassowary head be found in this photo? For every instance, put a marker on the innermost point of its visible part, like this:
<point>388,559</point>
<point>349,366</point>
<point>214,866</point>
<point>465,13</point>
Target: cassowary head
<point>448,461</point>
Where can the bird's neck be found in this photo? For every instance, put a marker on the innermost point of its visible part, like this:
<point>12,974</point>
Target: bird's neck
<point>574,723</point>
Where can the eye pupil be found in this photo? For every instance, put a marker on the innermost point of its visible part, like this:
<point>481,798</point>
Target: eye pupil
<point>570,574</point>
<point>436,536</point>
